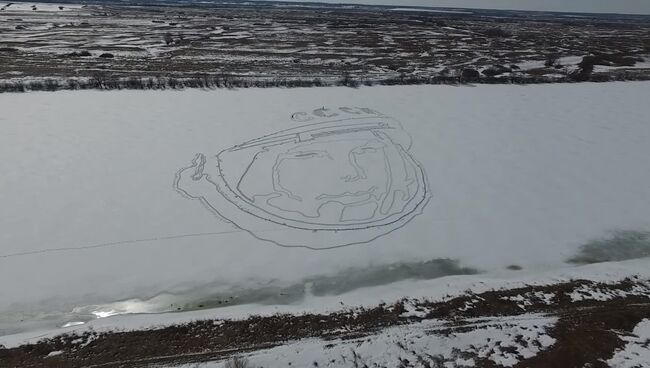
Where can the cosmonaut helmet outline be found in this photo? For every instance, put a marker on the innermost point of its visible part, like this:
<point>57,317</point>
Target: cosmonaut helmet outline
<point>261,186</point>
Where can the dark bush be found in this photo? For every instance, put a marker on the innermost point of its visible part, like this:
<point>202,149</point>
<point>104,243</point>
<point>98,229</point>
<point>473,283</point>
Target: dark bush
<point>349,81</point>
<point>78,54</point>
<point>51,85</point>
<point>496,70</point>
<point>609,60</point>
<point>73,84</point>
<point>237,362</point>
<point>551,60</point>
<point>168,38</point>
<point>497,33</point>
<point>470,75</point>
<point>583,73</point>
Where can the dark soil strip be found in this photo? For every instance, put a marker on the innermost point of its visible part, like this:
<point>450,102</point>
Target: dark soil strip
<point>587,332</point>
<point>52,84</point>
<point>589,336</point>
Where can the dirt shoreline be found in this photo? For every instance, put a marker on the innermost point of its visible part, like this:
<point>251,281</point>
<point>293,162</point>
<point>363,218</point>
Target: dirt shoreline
<point>232,82</point>
<point>592,318</point>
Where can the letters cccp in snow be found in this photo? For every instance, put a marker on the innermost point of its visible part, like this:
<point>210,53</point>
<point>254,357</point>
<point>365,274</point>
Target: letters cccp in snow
<point>342,176</point>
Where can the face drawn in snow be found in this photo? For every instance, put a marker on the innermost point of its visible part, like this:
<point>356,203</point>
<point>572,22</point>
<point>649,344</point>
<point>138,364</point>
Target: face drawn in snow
<point>346,177</point>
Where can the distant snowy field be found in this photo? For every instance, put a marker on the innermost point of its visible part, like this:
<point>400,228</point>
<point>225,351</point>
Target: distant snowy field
<point>47,7</point>
<point>519,175</point>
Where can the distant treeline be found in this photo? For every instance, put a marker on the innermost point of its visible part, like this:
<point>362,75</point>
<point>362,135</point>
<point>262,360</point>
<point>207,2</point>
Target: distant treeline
<point>216,82</point>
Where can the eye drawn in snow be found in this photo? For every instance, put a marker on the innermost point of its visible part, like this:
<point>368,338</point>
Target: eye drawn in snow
<point>346,177</point>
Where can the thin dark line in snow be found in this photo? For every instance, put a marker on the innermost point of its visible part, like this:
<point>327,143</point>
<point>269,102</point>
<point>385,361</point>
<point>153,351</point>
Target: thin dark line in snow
<point>118,243</point>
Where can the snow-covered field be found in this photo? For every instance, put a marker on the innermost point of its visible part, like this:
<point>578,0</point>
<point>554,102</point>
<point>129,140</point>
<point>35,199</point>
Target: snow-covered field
<point>48,47</point>
<point>90,216</point>
<point>493,339</point>
<point>637,350</point>
<point>47,7</point>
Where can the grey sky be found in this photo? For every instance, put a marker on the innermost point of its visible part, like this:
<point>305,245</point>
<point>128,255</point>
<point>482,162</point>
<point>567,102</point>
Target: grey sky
<point>585,6</point>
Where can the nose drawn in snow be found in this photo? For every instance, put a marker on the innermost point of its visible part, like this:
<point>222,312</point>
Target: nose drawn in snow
<point>346,177</point>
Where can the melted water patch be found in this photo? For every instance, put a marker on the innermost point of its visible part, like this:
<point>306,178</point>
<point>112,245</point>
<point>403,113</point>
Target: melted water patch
<point>214,295</point>
<point>621,245</point>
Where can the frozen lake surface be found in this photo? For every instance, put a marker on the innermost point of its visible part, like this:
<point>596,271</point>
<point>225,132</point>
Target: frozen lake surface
<point>478,179</point>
